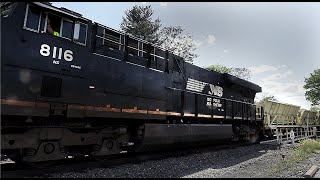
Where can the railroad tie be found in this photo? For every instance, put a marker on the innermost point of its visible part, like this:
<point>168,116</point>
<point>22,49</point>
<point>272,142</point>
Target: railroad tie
<point>311,172</point>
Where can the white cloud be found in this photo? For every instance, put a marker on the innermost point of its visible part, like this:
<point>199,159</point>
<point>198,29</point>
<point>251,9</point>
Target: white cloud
<point>163,3</point>
<point>265,68</point>
<point>279,83</point>
<point>262,68</point>
<point>277,76</point>
<point>144,3</point>
<point>284,88</point>
<point>211,39</point>
<point>225,51</point>
<point>289,92</point>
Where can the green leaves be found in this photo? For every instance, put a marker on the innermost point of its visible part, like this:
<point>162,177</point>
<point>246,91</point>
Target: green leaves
<point>269,98</point>
<point>138,22</point>
<point>312,86</point>
<point>242,73</point>
<point>219,68</point>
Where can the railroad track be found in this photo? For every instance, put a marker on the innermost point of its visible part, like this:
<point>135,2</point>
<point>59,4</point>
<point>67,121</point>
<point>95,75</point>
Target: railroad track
<point>11,170</point>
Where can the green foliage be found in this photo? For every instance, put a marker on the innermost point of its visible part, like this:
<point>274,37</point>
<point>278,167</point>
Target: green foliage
<point>219,68</point>
<point>306,148</point>
<point>309,146</point>
<point>312,86</point>
<point>269,98</point>
<point>242,73</point>
<point>138,22</point>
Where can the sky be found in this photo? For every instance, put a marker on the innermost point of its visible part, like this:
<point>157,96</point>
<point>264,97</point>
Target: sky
<point>278,41</point>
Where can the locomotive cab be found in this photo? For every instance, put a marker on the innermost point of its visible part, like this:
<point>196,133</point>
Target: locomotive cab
<point>50,38</point>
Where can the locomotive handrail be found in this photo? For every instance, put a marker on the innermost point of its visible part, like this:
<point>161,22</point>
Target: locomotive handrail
<point>122,44</point>
<point>108,39</point>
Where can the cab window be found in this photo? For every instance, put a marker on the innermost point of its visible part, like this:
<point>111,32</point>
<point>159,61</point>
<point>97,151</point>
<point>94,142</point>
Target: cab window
<point>60,27</point>
<point>53,25</point>
<point>67,28</point>
<point>80,33</point>
<point>32,21</point>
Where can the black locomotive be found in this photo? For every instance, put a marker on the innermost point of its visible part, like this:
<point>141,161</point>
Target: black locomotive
<point>73,87</point>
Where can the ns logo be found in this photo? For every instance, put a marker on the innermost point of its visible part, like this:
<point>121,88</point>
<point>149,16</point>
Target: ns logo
<point>45,50</point>
<point>215,90</point>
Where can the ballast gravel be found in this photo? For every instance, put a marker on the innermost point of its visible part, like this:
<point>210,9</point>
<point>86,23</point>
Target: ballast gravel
<point>246,161</point>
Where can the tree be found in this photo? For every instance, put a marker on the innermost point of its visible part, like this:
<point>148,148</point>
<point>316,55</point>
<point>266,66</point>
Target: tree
<point>242,73</point>
<point>138,22</point>
<point>259,100</point>
<point>269,98</point>
<point>312,86</point>
<point>175,40</point>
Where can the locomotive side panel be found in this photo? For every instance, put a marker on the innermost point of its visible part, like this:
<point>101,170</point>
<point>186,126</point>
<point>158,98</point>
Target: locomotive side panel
<point>49,68</point>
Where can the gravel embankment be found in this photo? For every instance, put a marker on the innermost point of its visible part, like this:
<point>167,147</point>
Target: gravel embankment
<point>247,161</point>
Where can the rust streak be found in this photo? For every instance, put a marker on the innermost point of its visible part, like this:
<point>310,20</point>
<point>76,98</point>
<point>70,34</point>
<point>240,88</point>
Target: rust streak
<point>157,112</point>
<point>134,111</point>
<point>17,103</point>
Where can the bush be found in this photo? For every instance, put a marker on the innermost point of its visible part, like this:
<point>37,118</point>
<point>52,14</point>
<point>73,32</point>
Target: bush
<point>310,146</point>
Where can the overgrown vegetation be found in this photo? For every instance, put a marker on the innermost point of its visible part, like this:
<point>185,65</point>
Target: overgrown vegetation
<point>306,148</point>
<point>242,73</point>
<point>312,84</point>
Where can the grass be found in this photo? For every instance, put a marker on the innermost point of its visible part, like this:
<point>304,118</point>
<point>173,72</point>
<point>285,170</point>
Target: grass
<point>306,148</point>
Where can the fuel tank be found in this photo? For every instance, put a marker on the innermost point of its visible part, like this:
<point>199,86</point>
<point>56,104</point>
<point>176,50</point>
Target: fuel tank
<point>168,136</point>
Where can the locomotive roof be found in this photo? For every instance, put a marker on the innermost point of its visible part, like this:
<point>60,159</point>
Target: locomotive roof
<point>242,82</point>
<point>60,10</point>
